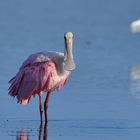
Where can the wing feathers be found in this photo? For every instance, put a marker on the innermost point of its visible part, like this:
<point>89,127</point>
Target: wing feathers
<point>30,80</point>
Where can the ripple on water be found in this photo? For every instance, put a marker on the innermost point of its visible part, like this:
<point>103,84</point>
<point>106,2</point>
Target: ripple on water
<point>71,128</point>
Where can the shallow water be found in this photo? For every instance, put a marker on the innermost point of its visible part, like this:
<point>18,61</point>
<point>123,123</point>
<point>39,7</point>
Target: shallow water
<point>70,129</point>
<point>101,98</point>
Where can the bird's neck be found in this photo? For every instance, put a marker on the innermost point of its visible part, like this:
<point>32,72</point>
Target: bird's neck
<point>69,63</point>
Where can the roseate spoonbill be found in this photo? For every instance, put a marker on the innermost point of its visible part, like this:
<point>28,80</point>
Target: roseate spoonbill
<point>43,72</point>
<point>135,26</point>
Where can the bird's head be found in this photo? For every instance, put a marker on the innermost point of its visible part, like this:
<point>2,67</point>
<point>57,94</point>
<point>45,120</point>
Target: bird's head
<point>68,38</point>
<point>68,35</point>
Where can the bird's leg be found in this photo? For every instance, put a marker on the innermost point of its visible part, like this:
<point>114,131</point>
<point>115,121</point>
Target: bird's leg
<point>40,107</point>
<point>46,106</point>
<point>40,132</point>
<point>45,136</point>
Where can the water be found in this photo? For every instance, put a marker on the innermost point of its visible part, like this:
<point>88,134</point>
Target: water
<point>101,98</point>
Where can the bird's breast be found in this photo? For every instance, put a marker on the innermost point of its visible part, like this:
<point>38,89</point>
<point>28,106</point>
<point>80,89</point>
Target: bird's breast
<point>58,81</point>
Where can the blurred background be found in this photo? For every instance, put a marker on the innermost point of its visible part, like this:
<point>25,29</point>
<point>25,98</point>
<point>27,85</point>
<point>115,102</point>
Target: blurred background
<point>100,99</point>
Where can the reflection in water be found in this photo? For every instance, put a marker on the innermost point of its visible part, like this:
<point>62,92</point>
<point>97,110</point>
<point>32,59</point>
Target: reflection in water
<point>24,134</point>
<point>135,77</point>
<point>135,72</point>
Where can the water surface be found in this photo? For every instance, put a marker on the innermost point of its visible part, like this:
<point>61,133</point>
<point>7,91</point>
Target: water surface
<point>99,101</point>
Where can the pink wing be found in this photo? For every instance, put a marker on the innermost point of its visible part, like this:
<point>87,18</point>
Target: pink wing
<point>32,79</point>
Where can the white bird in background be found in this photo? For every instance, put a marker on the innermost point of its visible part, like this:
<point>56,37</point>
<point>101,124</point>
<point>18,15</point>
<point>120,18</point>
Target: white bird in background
<point>135,26</point>
<point>135,70</point>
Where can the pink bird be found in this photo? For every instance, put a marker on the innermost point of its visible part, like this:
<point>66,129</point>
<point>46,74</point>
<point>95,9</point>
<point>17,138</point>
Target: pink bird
<point>43,72</point>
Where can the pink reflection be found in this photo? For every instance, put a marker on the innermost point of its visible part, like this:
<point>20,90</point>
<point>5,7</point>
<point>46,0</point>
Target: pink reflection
<point>23,135</point>
<point>43,133</point>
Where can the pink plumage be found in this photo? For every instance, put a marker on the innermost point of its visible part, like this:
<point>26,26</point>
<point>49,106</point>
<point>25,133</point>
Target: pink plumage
<point>34,78</point>
<point>43,72</point>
